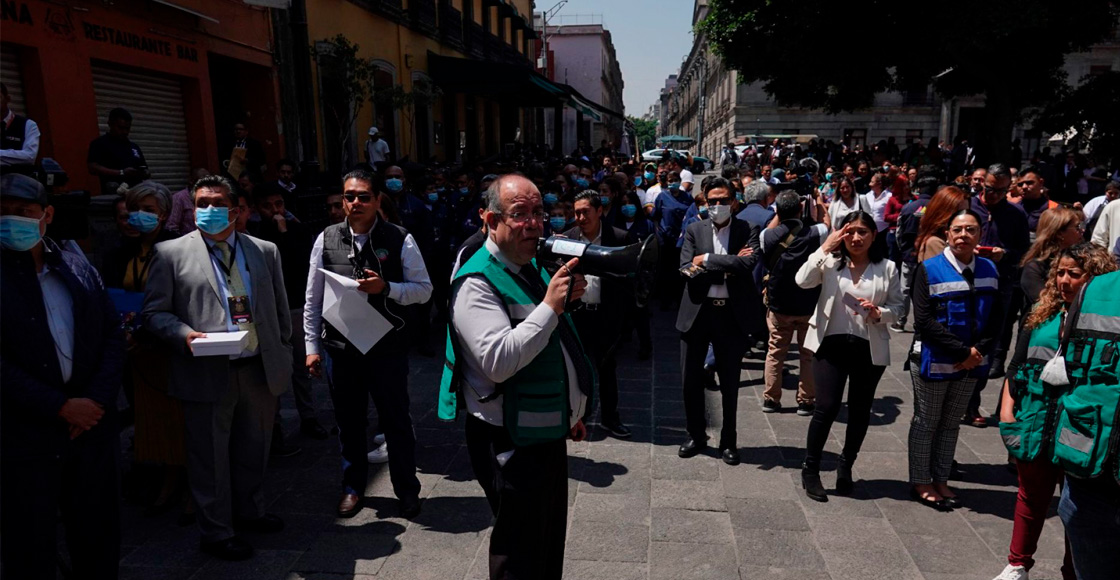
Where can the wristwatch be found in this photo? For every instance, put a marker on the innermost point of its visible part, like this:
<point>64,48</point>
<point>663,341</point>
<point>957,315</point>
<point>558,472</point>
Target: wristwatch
<point>385,291</point>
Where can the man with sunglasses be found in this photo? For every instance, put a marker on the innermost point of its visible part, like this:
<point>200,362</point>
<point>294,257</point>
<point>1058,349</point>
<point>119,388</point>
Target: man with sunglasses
<point>386,262</point>
<point>1004,238</point>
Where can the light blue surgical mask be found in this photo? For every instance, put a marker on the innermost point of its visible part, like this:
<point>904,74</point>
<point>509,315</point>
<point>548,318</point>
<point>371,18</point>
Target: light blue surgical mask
<point>637,180</point>
<point>144,221</point>
<point>557,223</point>
<point>674,186</point>
<point>212,220</point>
<point>394,185</point>
<point>828,177</point>
<point>582,183</point>
<point>19,233</point>
<point>465,190</point>
<point>606,199</point>
<point>629,210</point>
<point>703,213</point>
<point>550,198</point>
<point>433,197</point>
<point>649,176</point>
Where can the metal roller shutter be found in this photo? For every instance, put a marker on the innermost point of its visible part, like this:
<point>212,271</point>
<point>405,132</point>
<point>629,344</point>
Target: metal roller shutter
<point>11,76</point>
<point>159,125</point>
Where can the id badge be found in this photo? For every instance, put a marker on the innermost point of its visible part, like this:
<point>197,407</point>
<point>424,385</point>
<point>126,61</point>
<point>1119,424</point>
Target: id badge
<point>239,311</point>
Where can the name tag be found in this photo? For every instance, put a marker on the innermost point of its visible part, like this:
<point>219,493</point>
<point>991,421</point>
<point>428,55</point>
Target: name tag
<point>239,312</point>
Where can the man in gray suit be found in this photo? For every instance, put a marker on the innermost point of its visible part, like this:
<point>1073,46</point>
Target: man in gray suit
<point>217,280</point>
<point>717,308</point>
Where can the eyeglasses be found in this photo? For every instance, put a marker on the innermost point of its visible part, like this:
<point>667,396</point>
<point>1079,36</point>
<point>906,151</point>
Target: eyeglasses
<point>970,230</point>
<point>362,197</point>
<point>521,217</point>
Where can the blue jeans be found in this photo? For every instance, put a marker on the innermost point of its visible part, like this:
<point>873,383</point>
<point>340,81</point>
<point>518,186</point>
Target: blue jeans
<point>1093,528</point>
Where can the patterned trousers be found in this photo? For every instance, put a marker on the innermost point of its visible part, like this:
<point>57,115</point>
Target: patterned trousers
<point>938,406</point>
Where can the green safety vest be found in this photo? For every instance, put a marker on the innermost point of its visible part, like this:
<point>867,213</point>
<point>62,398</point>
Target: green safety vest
<point>1036,402</point>
<point>1086,435</point>
<point>535,407</point>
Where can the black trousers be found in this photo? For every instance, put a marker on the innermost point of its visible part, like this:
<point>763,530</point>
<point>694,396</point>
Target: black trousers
<point>383,376</point>
<point>715,325</point>
<point>529,498</point>
<point>670,282</point>
<point>600,332</point>
<point>82,483</point>
<point>842,359</point>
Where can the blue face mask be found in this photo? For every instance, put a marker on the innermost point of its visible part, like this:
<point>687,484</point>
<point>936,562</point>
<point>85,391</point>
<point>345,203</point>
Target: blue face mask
<point>606,199</point>
<point>649,176</point>
<point>828,177</point>
<point>674,187</point>
<point>143,221</point>
<point>629,210</point>
<point>703,213</point>
<point>19,233</point>
<point>637,180</point>
<point>557,223</point>
<point>394,185</point>
<point>550,198</point>
<point>212,220</point>
<point>465,190</point>
<point>582,183</point>
<point>433,197</point>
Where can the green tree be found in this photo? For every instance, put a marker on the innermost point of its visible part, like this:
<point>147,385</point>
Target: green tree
<point>836,56</point>
<point>1091,109</point>
<point>645,132</point>
<point>423,94</point>
<point>345,87</point>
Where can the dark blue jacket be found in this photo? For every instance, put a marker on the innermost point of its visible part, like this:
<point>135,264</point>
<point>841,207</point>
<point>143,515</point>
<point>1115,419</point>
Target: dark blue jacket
<point>756,214</point>
<point>32,389</point>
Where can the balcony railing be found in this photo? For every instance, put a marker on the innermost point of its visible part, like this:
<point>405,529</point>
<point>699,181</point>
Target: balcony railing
<point>422,14</point>
<point>451,26</point>
<point>476,40</point>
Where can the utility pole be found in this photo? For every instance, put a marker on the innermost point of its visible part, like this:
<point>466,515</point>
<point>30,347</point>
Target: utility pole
<point>545,34</point>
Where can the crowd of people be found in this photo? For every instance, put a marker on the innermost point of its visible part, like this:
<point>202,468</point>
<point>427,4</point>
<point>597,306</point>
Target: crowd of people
<point>831,247</point>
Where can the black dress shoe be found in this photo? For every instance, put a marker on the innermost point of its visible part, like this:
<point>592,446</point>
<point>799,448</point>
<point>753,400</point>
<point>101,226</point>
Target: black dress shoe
<point>844,478</point>
<point>811,483</point>
<point>617,429</point>
<point>952,501</point>
<point>231,549</point>
<point>938,504</point>
<point>690,448</point>
<point>312,429</point>
<point>410,507</point>
<point>266,524</point>
<point>349,505</point>
<point>730,456</point>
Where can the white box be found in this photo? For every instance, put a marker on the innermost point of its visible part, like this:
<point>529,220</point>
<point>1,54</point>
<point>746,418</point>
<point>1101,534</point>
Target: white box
<point>220,343</point>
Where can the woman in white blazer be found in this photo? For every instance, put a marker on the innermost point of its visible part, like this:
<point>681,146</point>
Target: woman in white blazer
<point>861,296</point>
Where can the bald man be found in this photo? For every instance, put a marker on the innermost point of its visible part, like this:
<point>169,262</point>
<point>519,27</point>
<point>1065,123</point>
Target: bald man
<point>515,360</point>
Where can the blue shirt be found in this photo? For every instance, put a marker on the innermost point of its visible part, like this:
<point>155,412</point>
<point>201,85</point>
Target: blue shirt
<point>223,286</point>
<point>669,211</point>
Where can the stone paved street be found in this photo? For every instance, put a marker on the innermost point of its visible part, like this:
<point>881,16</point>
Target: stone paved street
<point>637,510</point>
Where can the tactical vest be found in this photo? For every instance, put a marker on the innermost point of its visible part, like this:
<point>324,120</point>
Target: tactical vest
<point>964,311</point>
<point>1086,437</point>
<point>1036,402</point>
<point>13,137</point>
<point>535,407</point>
<point>382,254</point>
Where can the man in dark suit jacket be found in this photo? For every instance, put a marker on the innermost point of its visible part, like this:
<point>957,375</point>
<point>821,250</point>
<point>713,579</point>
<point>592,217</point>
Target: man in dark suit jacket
<point>229,401</point>
<point>599,321</point>
<point>61,354</point>
<point>717,308</point>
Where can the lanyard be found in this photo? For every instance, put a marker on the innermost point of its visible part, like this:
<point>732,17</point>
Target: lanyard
<point>138,277</point>
<point>227,268</point>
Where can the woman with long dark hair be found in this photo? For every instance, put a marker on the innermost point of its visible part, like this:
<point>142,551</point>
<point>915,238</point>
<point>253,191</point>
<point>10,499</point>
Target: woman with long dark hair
<point>845,202</point>
<point>1029,403</point>
<point>956,326</point>
<point>861,295</point>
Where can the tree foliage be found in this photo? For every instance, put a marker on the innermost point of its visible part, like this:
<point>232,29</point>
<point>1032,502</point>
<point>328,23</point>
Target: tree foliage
<point>645,132</point>
<point>346,85</point>
<point>423,94</point>
<point>836,56</point>
<point>1093,109</point>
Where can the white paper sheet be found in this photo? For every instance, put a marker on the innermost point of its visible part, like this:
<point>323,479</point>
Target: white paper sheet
<point>349,312</point>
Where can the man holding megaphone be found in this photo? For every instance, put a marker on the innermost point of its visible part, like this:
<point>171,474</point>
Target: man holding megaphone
<point>515,360</point>
<point>599,321</point>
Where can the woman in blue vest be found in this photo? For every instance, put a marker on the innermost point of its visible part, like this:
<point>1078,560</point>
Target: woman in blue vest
<point>955,330</point>
<point>1029,404</point>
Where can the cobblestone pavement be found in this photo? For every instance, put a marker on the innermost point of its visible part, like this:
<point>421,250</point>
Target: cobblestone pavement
<point>637,510</point>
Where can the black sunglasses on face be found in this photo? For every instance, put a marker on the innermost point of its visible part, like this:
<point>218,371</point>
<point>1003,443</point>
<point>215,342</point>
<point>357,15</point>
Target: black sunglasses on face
<point>720,201</point>
<point>363,197</point>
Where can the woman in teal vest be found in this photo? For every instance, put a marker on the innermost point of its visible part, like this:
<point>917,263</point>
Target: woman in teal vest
<point>1029,405</point>
<point>955,330</point>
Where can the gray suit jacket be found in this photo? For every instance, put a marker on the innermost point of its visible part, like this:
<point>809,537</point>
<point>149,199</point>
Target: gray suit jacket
<point>738,272</point>
<point>182,295</point>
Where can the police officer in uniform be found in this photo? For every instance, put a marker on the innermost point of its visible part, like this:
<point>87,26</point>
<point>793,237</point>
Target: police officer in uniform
<point>20,138</point>
<point>387,263</point>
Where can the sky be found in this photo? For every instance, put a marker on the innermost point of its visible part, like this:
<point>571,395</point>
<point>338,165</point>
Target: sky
<point>651,37</point>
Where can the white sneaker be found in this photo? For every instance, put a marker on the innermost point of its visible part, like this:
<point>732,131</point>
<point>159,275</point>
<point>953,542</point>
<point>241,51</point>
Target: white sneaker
<point>379,439</point>
<point>1012,573</point>
<point>379,455</point>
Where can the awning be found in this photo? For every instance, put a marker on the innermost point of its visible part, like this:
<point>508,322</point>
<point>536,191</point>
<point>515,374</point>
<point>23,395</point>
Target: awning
<point>589,107</point>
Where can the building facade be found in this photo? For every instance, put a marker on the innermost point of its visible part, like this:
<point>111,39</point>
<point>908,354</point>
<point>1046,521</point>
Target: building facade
<point>186,71</point>
<point>583,57</point>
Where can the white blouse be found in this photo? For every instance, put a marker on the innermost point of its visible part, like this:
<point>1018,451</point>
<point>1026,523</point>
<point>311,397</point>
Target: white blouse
<point>845,319</point>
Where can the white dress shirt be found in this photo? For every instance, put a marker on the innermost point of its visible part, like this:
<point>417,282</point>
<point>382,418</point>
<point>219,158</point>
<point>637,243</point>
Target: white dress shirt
<point>30,150</point>
<point>1107,229</point>
<point>720,240</point>
<point>220,275</point>
<point>492,350</point>
<point>878,206</point>
<point>60,318</point>
<point>844,320</point>
<point>415,289</point>
<point>959,266</point>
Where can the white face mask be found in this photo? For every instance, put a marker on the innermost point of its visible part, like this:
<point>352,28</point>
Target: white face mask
<point>719,213</point>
